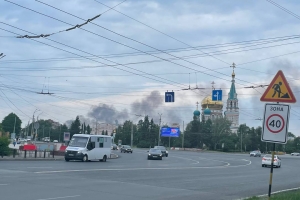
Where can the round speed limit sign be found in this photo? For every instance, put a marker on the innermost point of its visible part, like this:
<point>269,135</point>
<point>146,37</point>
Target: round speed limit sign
<point>275,124</point>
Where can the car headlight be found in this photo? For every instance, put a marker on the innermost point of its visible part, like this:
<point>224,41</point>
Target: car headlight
<point>79,151</point>
<point>160,155</point>
<point>167,152</point>
<point>66,151</point>
<point>149,154</point>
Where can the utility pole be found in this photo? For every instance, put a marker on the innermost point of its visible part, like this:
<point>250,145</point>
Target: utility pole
<point>15,124</point>
<point>182,146</point>
<point>59,133</point>
<point>43,131</point>
<point>131,139</point>
<point>159,129</point>
<point>241,140</point>
<point>96,127</point>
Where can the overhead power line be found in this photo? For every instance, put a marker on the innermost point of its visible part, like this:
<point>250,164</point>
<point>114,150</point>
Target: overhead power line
<point>284,9</point>
<point>159,80</point>
<point>68,29</point>
<point>132,40</point>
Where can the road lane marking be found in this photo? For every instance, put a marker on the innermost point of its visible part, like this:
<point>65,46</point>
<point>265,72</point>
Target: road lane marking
<point>145,168</point>
<point>3,184</point>
<point>279,191</point>
<point>196,162</point>
<point>38,167</point>
<point>65,197</point>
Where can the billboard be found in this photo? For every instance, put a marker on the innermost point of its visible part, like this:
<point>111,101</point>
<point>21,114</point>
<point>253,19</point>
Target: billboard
<point>169,132</point>
<point>66,136</point>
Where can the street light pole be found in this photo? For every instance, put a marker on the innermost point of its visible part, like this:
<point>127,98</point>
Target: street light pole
<point>131,139</point>
<point>159,129</point>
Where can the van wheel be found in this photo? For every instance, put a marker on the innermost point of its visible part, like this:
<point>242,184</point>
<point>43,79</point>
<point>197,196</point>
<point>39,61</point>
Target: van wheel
<point>104,158</point>
<point>85,158</point>
<point>67,159</point>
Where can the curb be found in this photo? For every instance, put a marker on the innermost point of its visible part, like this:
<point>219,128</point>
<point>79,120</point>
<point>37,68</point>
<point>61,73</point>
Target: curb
<point>30,159</point>
<point>44,159</point>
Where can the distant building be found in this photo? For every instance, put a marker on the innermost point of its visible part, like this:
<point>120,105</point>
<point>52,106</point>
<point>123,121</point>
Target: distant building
<point>214,109</point>
<point>232,108</point>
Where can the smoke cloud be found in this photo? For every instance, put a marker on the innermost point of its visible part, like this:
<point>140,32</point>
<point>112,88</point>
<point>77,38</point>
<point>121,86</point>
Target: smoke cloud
<point>107,114</point>
<point>148,105</point>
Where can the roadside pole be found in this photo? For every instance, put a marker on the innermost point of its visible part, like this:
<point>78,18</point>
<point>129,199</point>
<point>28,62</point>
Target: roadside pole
<point>271,172</point>
<point>182,146</point>
<point>131,138</point>
<point>169,143</point>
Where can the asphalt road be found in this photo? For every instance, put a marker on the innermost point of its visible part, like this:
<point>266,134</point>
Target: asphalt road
<point>183,175</point>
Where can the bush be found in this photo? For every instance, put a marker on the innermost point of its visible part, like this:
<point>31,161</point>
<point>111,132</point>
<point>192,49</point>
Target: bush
<point>4,149</point>
<point>143,144</point>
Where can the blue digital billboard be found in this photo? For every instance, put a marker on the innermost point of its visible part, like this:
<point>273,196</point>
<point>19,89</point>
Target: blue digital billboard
<point>169,132</point>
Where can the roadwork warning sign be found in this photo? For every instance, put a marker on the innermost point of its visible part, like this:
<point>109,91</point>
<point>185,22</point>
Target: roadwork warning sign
<point>279,90</point>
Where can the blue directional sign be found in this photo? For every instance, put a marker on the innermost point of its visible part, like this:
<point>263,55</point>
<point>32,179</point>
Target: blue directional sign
<point>169,132</point>
<point>216,95</point>
<point>169,97</point>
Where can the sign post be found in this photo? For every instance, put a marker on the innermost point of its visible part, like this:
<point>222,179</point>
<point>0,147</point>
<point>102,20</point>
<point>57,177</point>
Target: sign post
<point>276,116</point>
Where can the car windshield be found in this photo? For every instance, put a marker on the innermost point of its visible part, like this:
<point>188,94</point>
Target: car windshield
<point>160,147</point>
<point>155,151</point>
<point>125,146</point>
<point>78,142</point>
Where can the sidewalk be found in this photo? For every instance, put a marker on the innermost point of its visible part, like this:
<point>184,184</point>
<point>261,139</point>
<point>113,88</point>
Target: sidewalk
<point>56,158</point>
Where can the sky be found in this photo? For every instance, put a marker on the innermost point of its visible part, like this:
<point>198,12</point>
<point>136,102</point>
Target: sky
<point>118,66</point>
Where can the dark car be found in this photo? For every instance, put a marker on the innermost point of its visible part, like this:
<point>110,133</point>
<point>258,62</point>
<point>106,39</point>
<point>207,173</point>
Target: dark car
<point>155,154</point>
<point>126,149</point>
<point>163,150</point>
<point>114,147</point>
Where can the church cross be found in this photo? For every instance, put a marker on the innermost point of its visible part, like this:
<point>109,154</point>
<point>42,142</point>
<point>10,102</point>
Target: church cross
<point>233,66</point>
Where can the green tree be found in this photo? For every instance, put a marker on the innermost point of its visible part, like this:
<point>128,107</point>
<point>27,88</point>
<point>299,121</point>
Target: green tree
<point>9,121</point>
<point>88,129</point>
<point>75,126</point>
<point>4,149</point>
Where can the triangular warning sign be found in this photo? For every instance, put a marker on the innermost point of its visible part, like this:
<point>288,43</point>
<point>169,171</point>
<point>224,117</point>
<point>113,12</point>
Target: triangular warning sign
<point>279,90</point>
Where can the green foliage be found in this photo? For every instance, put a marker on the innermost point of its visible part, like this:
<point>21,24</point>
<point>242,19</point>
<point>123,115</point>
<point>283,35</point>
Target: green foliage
<point>4,149</point>
<point>9,121</point>
<point>75,126</point>
<point>144,144</point>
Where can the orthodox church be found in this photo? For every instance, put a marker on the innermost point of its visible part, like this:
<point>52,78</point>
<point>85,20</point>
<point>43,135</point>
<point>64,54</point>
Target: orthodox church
<point>214,109</point>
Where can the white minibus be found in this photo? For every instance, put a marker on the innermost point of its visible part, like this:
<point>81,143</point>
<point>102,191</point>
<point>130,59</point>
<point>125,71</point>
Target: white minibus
<point>88,147</point>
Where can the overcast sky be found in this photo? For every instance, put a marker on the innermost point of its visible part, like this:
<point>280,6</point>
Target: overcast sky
<point>116,68</point>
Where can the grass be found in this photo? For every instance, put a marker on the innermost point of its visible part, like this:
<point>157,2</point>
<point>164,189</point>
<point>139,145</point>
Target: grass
<point>290,195</point>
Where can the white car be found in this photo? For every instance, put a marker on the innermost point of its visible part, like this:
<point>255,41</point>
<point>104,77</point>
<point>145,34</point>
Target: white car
<point>55,141</point>
<point>295,154</point>
<point>266,161</point>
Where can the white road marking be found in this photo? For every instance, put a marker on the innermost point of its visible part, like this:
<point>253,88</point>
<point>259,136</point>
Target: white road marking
<point>196,162</point>
<point>65,197</point>
<point>146,168</point>
<point>38,167</point>
<point>3,184</point>
<point>279,191</point>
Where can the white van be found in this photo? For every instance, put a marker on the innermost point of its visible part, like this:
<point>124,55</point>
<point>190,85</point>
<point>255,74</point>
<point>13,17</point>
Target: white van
<point>88,147</point>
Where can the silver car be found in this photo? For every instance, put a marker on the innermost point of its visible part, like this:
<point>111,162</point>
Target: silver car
<point>255,153</point>
<point>266,161</point>
<point>295,154</point>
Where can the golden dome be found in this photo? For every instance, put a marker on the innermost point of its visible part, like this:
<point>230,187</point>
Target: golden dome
<point>207,101</point>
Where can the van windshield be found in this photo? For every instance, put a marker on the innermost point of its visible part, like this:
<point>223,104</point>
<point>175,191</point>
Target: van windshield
<point>78,142</point>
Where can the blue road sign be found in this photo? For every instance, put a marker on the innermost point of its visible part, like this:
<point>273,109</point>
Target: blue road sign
<point>169,97</point>
<point>216,95</point>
